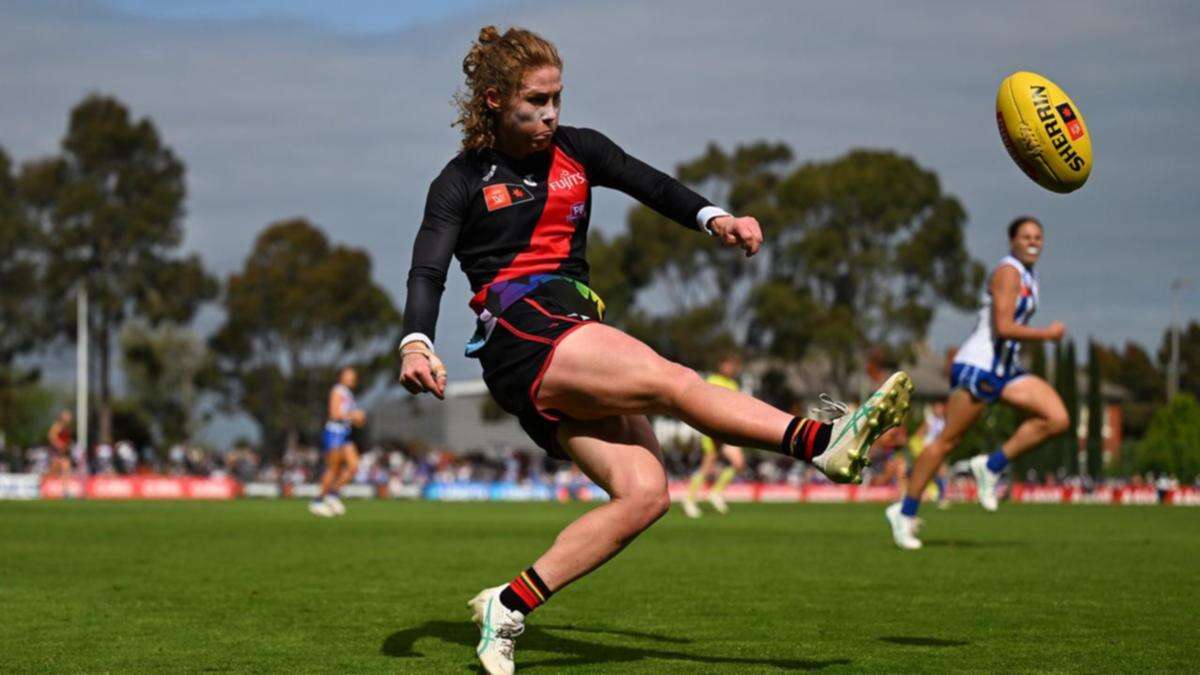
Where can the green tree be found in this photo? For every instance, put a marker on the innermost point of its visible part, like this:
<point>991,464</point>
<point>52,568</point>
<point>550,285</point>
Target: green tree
<point>858,252</point>
<point>163,369</point>
<point>1189,357</point>
<point>299,309</point>
<point>704,287</point>
<point>19,296</point>
<point>1172,444</point>
<point>1133,369</point>
<point>872,241</point>
<point>1095,407</point>
<point>111,210</point>
<point>34,407</point>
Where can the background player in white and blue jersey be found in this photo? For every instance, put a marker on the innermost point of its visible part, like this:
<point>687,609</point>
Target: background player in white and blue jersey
<point>985,370</point>
<point>337,446</point>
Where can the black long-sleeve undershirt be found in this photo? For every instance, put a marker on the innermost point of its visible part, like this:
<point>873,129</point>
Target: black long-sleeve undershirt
<point>504,217</point>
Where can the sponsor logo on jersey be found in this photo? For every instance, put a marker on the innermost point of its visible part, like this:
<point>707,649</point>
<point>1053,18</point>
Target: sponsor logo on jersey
<point>1062,145</point>
<point>503,195</point>
<point>578,213</point>
<point>567,180</point>
<point>1074,127</point>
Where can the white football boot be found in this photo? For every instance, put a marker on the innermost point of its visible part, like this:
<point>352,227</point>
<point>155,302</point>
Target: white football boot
<point>498,626</point>
<point>335,505</point>
<point>855,432</point>
<point>718,503</point>
<point>904,528</point>
<point>985,483</point>
<point>690,508</point>
<point>320,508</point>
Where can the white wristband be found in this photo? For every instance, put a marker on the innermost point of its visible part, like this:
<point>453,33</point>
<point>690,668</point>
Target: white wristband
<point>706,214</point>
<point>417,337</point>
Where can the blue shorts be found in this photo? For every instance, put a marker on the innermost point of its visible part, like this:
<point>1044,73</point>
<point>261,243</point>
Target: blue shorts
<point>334,436</point>
<point>982,384</point>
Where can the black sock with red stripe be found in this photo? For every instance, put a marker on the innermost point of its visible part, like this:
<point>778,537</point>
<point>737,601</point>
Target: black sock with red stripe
<point>805,438</point>
<point>525,593</point>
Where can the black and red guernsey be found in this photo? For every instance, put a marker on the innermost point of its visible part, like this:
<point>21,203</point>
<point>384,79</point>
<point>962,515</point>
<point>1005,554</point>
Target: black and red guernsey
<point>506,218</point>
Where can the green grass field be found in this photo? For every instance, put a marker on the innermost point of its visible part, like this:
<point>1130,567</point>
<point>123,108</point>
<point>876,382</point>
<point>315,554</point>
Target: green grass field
<point>263,586</point>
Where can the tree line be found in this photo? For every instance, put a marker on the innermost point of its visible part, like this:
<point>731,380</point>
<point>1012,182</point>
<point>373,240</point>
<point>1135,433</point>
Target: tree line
<point>105,215</point>
<point>860,252</point>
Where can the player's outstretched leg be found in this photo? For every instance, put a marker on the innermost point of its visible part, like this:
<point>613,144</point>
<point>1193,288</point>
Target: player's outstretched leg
<point>1047,418</point>
<point>621,455</point>
<point>598,371</point>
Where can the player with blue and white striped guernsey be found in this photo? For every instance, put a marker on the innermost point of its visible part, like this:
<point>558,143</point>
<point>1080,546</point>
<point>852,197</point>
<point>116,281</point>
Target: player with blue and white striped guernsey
<point>337,446</point>
<point>986,370</point>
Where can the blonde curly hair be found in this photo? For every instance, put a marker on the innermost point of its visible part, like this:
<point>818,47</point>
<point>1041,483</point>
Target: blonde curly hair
<point>497,62</point>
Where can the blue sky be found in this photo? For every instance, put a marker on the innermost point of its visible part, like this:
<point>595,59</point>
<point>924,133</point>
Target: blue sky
<point>361,17</point>
<point>340,112</point>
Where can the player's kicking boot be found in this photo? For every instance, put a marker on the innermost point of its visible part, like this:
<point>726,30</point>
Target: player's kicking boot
<point>854,433</point>
<point>500,613</point>
<point>498,626</point>
<point>691,508</point>
<point>904,528</point>
<point>985,482</point>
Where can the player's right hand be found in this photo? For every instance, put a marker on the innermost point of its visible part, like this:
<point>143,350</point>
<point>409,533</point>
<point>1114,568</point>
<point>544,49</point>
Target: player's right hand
<point>1056,330</point>
<point>733,231</point>
<point>421,370</point>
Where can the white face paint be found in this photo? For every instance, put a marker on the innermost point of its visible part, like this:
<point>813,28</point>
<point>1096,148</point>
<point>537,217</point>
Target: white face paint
<point>528,119</point>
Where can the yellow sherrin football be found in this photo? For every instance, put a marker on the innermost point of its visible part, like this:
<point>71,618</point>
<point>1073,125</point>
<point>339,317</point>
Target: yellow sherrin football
<point>1044,131</point>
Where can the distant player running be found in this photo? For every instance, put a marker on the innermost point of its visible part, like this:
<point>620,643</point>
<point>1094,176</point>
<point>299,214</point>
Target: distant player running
<point>986,370</point>
<point>60,438</point>
<point>726,376</point>
<point>513,207</point>
<point>340,453</point>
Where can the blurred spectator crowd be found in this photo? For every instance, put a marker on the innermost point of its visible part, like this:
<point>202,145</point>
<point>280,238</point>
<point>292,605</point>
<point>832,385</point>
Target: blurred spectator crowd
<point>400,464</point>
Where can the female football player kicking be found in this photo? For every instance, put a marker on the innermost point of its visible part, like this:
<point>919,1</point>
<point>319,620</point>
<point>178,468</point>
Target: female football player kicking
<point>513,207</point>
<point>986,370</point>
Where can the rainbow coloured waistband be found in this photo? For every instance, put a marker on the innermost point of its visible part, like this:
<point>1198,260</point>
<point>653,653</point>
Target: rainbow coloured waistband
<point>491,301</point>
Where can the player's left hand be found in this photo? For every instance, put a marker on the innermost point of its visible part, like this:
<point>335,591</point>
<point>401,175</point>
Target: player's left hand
<point>734,231</point>
<point>421,370</point>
